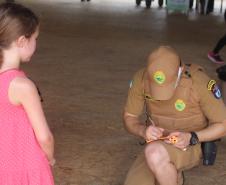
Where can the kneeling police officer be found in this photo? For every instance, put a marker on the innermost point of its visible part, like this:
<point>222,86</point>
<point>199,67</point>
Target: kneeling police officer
<point>181,102</point>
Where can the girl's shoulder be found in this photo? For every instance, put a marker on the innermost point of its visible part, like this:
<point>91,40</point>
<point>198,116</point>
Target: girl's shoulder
<point>21,88</point>
<point>23,83</point>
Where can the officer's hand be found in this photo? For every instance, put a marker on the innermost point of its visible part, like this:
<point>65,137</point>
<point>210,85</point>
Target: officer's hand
<point>183,139</point>
<point>153,133</point>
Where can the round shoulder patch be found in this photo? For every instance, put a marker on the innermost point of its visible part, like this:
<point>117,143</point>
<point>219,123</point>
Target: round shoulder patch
<point>180,105</point>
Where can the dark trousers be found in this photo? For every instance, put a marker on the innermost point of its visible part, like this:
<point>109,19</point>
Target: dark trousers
<point>225,15</point>
<point>220,44</point>
<point>191,2</point>
<point>210,6</point>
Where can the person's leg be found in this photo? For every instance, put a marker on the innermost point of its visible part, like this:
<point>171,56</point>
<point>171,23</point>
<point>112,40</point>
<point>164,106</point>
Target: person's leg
<point>220,44</point>
<point>139,173</point>
<point>210,6</point>
<point>191,4</point>
<point>202,6</point>
<point>214,55</point>
<point>179,160</point>
<point>225,15</point>
<point>159,163</point>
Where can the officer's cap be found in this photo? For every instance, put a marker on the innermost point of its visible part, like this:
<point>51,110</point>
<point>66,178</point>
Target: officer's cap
<point>162,70</point>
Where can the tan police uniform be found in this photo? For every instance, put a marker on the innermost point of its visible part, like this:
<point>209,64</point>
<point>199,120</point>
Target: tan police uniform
<point>195,104</point>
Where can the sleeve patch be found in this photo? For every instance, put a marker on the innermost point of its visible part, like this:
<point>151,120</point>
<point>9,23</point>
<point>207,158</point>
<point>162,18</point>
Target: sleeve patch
<point>216,92</point>
<point>211,84</point>
<point>213,87</point>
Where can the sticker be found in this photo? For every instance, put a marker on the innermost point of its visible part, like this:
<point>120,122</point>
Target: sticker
<point>131,84</point>
<point>173,139</point>
<point>180,105</point>
<point>216,92</point>
<point>211,84</point>
<point>159,77</point>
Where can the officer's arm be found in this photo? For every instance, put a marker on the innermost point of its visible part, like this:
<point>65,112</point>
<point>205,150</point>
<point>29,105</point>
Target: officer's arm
<point>133,125</point>
<point>213,108</point>
<point>134,106</point>
<point>212,132</point>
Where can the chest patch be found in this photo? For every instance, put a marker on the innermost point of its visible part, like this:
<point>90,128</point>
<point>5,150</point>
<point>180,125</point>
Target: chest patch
<point>180,105</point>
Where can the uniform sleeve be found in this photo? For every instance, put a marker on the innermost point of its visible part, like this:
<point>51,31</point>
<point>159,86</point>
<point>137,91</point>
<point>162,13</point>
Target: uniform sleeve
<point>135,99</point>
<point>211,101</point>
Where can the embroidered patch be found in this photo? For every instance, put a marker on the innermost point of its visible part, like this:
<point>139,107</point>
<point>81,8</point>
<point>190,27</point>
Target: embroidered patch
<point>180,105</point>
<point>159,77</point>
<point>211,84</point>
<point>216,91</point>
<point>213,87</point>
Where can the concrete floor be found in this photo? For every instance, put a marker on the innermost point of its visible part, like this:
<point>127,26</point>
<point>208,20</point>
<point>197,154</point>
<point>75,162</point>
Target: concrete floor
<point>86,56</point>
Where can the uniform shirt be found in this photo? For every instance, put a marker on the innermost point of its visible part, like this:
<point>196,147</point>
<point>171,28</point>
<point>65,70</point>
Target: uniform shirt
<point>195,104</point>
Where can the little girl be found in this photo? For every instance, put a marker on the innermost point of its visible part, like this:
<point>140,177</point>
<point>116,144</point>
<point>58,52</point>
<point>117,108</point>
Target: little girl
<point>26,143</point>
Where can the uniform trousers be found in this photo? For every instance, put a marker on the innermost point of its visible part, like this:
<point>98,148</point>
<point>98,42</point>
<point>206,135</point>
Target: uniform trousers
<point>140,174</point>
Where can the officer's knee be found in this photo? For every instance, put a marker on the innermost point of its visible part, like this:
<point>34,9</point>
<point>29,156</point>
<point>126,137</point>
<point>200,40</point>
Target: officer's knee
<point>156,155</point>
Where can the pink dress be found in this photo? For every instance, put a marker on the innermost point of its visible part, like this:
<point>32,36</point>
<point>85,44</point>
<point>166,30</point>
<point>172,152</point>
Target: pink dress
<point>22,161</point>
